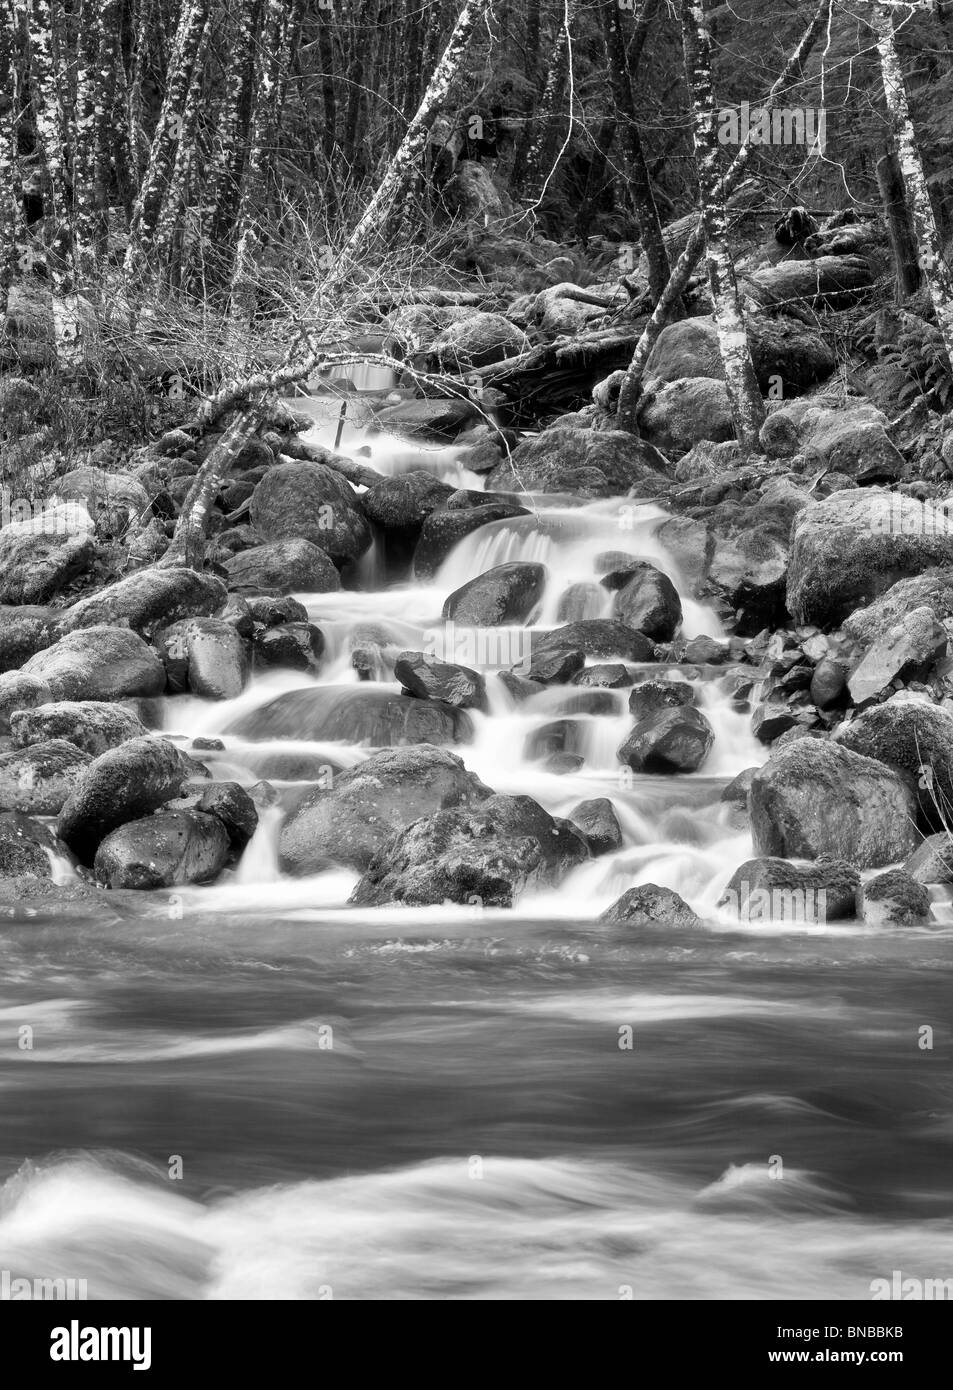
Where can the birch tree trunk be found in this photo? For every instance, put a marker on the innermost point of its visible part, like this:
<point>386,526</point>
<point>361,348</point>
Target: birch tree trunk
<point>193,18</point>
<point>223,177</point>
<point>10,189</point>
<point>87,209</point>
<point>936,273</point>
<point>49,119</point>
<point>175,195</point>
<point>685,265</point>
<point>403,167</point>
<point>744,395</point>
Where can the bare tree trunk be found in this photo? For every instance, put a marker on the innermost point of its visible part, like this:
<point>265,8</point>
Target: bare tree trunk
<point>531,71</point>
<point>261,141</point>
<point>401,171</point>
<point>50,122</point>
<point>175,195</point>
<point>223,180</point>
<point>643,197</point>
<point>685,265</point>
<point>187,546</point>
<point>87,209</point>
<point>10,191</point>
<point>900,229</point>
<point>744,395</point>
<point>182,71</point>
<point>936,272</point>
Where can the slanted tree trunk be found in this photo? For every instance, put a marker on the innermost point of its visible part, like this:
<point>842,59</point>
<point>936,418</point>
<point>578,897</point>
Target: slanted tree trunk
<point>900,228</point>
<point>386,202</point>
<point>936,273</point>
<point>685,265</point>
<point>187,546</point>
<point>744,395</point>
<point>643,198</point>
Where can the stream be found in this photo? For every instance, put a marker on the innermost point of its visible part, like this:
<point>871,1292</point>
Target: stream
<point>252,1090</point>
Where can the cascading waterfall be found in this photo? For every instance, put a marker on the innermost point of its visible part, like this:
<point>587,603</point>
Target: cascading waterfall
<point>676,833</point>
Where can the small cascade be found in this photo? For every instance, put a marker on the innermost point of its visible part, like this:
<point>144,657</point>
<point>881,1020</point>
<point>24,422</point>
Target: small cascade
<point>295,729</point>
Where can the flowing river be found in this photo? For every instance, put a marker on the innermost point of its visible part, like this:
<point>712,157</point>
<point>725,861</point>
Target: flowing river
<point>251,1090</point>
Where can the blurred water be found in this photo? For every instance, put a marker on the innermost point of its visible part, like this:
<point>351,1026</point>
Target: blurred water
<point>253,1091</point>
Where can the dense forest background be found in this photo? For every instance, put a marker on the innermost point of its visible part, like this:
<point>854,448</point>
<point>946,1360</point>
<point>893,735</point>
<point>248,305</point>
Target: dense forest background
<point>187,187</point>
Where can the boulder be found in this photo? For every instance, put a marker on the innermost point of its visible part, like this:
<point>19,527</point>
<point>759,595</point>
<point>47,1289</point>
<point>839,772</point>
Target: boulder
<point>932,861</point>
<point>599,637</point>
<point>893,899</point>
<point>598,824</point>
<point>555,666</point>
<point>649,697</point>
<point>293,566</point>
<point>856,544</point>
<point>586,463</point>
<point>24,632</point>
<point>649,905</point>
<point>429,679</point>
<point>784,351</point>
<point>351,818</point>
<point>668,741</point>
<point>675,415</point>
<point>20,692</point>
<point>148,599</point>
<point>90,725</point>
<point>605,676</point>
<point>439,420</point>
<point>354,714</point>
<point>485,855</point>
<point>506,594</point>
<point>205,656</point>
<point>310,501</point>
<point>828,682</point>
<point>162,850</point>
<point>478,340</point>
<point>38,780</point>
<point>231,804</point>
<point>35,567</point>
<point>117,502</point>
<point>915,738</point>
<point>850,439</point>
<point>647,601</point>
<point>98,663</point>
<point>905,651</point>
<point>403,503</point>
<point>774,890</point>
<point>815,798</point>
<point>119,786</point>
<point>297,646</point>
<point>874,621</point>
